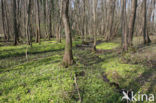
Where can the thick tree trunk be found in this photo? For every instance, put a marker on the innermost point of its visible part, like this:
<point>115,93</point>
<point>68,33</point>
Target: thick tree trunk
<point>132,22</point>
<point>68,56</point>
<point>145,33</point>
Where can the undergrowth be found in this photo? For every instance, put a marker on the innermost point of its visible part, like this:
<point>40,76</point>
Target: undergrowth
<point>42,79</point>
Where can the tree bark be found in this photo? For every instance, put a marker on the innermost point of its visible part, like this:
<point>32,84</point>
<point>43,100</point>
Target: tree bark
<point>132,22</point>
<point>68,56</point>
<point>110,19</point>
<point>94,23</point>
<point>45,15</point>
<point>124,27</point>
<point>51,6</point>
<point>7,20</point>
<point>16,33</point>
<point>3,19</point>
<point>30,31</point>
<point>39,23</point>
<point>145,33</point>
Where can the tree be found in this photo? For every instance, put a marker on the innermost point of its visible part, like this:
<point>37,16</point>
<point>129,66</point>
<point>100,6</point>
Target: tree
<point>38,36</point>
<point>3,19</point>
<point>84,21</point>
<point>89,20</point>
<point>45,16</point>
<point>68,56</point>
<point>124,27</point>
<point>110,19</point>
<point>145,33</point>
<point>59,24</point>
<point>51,13</point>
<point>30,31</point>
<point>132,22</point>
<point>94,23</point>
<point>16,33</point>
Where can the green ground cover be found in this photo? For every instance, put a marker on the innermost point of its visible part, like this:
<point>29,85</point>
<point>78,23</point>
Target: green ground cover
<point>42,79</point>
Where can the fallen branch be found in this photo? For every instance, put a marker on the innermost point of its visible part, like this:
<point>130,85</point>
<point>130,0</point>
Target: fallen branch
<point>77,88</point>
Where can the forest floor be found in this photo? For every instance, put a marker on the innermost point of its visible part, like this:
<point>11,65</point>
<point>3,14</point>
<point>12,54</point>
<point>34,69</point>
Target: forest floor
<point>97,77</point>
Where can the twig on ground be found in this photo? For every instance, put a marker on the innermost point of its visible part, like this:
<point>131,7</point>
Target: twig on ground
<point>77,88</point>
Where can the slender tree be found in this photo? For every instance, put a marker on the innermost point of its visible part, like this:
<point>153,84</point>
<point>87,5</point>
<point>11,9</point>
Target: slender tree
<point>7,20</point>
<point>132,22</point>
<point>94,23</point>
<point>16,33</point>
<point>124,27</point>
<point>45,16</point>
<point>38,36</point>
<point>3,19</point>
<point>145,33</point>
<point>30,28</point>
<point>51,13</point>
<point>110,19</point>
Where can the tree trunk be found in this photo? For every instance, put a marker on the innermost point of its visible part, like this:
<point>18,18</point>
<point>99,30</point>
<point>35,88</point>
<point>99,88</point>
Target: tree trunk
<point>45,15</point>
<point>84,21</point>
<point>16,33</point>
<point>132,22</point>
<point>7,21</point>
<point>110,19</point>
<point>51,6</point>
<point>94,23</point>
<point>30,31</point>
<point>3,19</point>
<point>38,24</point>
<point>68,56</point>
<point>145,33</point>
<point>124,27</point>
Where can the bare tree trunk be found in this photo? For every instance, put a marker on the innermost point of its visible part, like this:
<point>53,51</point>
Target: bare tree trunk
<point>124,27</point>
<point>51,6</point>
<point>38,24</point>
<point>145,34</point>
<point>3,19</point>
<point>30,7</point>
<point>7,21</point>
<point>16,33</point>
<point>68,56</point>
<point>111,19</point>
<point>60,23</point>
<point>84,21</point>
<point>94,21</point>
<point>45,15</point>
<point>132,22</point>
